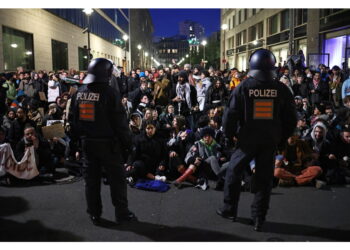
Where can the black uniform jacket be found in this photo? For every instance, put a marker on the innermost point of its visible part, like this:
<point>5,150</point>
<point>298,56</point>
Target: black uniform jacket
<point>97,113</point>
<point>260,113</point>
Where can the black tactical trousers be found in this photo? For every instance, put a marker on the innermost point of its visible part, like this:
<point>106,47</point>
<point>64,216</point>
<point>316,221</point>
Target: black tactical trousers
<point>97,155</point>
<point>264,167</point>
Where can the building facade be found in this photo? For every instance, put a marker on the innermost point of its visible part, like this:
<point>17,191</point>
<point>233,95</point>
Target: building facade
<point>53,39</point>
<point>322,34</point>
<point>141,45</point>
<point>171,50</point>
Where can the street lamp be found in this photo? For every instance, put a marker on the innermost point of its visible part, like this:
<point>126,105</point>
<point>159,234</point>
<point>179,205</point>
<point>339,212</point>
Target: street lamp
<point>125,38</point>
<point>204,42</point>
<point>139,47</point>
<point>88,12</point>
<point>224,27</point>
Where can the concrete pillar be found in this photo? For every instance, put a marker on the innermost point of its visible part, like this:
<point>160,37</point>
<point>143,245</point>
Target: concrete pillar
<point>312,31</point>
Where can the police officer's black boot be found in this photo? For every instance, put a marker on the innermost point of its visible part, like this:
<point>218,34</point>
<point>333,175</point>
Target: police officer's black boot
<point>227,214</point>
<point>119,219</point>
<point>258,223</point>
<point>96,220</point>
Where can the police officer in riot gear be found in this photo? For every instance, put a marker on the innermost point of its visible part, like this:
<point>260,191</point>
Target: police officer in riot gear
<point>261,115</point>
<point>99,120</point>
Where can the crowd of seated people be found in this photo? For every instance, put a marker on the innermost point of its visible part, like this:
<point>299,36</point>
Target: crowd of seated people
<point>175,117</point>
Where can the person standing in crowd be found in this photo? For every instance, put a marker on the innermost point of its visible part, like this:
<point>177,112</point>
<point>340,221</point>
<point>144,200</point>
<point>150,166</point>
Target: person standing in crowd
<point>161,87</point>
<point>122,82</point>
<point>300,87</point>
<point>261,115</point>
<point>345,90</point>
<point>10,87</point>
<point>335,85</point>
<point>217,94</point>
<point>319,90</point>
<point>133,81</point>
<point>99,120</point>
<point>184,97</point>
<point>202,87</point>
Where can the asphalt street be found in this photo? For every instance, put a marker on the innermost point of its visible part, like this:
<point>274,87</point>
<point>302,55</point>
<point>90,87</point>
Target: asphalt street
<point>56,212</point>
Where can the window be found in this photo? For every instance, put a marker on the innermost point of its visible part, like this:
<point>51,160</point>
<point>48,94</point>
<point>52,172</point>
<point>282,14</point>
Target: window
<point>239,17</point>
<point>260,28</point>
<point>231,41</point>
<point>244,34</point>
<point>99,25</point>
<point>284,20</point>
<point>327,12</point>
<point>18,49</point>
<point>252,33</point>
<point>83,58</point>
<point>273,24</point>
<point>304,15</point>
<point>229,23</point>
<point>233,21</point>
<point>253,12</point>
<point>300,16</point>
<point>238,40</point>
<point>245,14</point>
<point>59,55</point>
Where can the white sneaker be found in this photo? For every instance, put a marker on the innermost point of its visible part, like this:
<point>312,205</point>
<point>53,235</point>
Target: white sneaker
<point>160,178</point>
<point>130,180</point>
<point>320,184</point>
<point>202,184</point>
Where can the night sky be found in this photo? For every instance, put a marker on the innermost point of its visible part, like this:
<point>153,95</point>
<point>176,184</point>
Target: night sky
<point>166,21</point>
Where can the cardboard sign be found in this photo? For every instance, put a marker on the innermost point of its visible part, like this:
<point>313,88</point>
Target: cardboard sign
<point>55,130</point>
<point>52,122</point>
<point>42,96</point>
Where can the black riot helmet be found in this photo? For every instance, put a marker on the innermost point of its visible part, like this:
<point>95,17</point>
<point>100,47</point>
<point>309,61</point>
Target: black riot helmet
<point>99,70</point>
<point>262,65</point>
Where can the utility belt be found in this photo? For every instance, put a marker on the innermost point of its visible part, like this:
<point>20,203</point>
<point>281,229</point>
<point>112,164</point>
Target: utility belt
<point>112,141</point>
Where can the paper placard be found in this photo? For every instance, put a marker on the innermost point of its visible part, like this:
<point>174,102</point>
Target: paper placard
<point>42,96</point>
<point>55,130</point>
<point>52,122</point>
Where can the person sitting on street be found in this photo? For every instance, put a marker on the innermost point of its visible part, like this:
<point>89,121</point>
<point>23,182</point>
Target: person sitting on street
<point>166,118</point>
<point>321,146</point>
<point>302,128</point>
<point>180,141</point>
<point>339,158</point>
<point>16,132</point>
<point>295,164</point>
<point>135,124</point>
<point>204,156</point>
<point>148,156</point>
<point>53,114</point>
<point>41,148</point>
